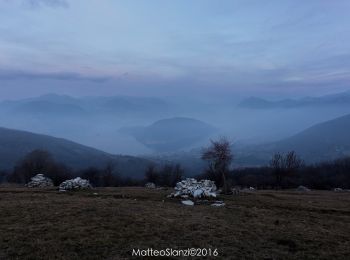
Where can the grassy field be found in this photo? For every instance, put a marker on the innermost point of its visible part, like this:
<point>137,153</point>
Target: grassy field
<point>45,224</point>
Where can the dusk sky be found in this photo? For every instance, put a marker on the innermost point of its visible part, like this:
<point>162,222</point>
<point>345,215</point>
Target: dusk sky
<point>160,47</point>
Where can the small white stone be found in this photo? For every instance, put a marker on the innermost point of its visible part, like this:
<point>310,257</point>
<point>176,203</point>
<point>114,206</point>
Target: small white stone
<point>218,204</point>
<point>188,202</point>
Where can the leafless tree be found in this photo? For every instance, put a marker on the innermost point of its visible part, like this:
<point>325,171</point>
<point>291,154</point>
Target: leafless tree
<point>219,158</point>
<point>293,162</point>
<point>109,175</point>
<point>284,165</point>
<point>151,174</point>
<point>177,175</point>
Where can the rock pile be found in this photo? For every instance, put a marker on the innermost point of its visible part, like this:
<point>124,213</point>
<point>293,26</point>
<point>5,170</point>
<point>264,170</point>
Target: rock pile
<point>196,189</point>
<point>75,184</point>
<point>39,181</point>
<point>150,185</point>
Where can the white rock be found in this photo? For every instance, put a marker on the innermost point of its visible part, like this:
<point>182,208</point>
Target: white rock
<point>338,189</point>
<point>218,204</point>
<point>198,193</point>
<point>188,202</point>
<point>303,188</point>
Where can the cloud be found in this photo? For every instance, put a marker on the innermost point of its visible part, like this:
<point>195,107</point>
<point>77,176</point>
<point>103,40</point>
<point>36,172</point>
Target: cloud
<point>65,76</point>
<point>49,3</point>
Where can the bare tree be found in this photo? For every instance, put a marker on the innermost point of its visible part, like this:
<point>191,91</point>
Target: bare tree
<point>177,175</point>
<point>219,158</point>
<point>109,176</point>
<point>151,174</point>
<point>284,165</point>
<point>277,164</point>
<point>168,175</point>
<point>293,162</point>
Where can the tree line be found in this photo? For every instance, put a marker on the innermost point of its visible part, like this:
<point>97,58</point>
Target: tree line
<point>42,162</point>
<point>285,170</point>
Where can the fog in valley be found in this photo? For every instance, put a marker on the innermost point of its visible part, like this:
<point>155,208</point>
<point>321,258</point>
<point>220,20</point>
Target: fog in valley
<point>172,127</point>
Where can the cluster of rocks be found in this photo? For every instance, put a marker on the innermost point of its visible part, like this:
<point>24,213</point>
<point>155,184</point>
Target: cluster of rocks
<point>39,181</point>
<point>75,184</point>
<point>196,189</point>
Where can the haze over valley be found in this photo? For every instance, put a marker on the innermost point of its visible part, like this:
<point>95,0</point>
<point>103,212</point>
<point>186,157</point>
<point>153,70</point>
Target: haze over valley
<point>163,127</point>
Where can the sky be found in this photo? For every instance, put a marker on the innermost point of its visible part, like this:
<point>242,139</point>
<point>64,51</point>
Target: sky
<point>166,47</point>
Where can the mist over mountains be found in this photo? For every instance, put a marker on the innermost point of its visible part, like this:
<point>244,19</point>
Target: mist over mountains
<point>328,100</point>
<point>174,128</point>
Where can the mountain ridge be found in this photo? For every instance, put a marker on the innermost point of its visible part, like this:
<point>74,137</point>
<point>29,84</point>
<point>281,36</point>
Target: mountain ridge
<point>261,103</point>
<point>15,144</point>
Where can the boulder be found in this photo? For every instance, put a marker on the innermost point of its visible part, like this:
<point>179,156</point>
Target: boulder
<point>75,184</point>
<point>196,189</point>
<point>303,188</point>
<point>39,181</point>
<point>188,202</point>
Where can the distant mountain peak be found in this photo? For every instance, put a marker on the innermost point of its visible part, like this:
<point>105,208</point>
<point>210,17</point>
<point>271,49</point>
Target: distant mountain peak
<point>327,100</point>
<point>171,134</point>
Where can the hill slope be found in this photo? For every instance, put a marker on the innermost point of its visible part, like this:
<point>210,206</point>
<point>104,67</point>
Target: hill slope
<point>15,144</point>
<point>325,141</point>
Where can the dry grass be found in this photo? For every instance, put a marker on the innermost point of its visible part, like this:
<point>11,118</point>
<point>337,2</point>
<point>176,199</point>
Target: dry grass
<point>45,224</point>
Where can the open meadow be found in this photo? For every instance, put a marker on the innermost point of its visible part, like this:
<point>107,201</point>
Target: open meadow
<point>108,223</point>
